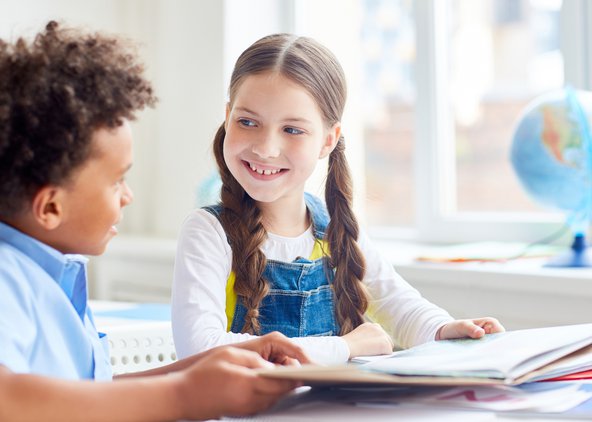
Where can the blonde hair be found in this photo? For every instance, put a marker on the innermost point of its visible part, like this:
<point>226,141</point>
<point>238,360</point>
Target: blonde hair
<point>315,68</point>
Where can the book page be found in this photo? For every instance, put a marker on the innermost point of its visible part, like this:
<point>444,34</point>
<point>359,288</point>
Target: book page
<point>501,356</point>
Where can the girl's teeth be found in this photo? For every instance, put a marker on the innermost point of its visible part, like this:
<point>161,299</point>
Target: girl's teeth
<point>265,172</point>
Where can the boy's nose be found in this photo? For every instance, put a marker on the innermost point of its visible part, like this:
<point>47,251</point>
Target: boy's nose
<point>267,147</point>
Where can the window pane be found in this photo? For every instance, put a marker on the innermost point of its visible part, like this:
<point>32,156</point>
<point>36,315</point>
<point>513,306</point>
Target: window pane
<point>388,48</point>
<point>502,53</point>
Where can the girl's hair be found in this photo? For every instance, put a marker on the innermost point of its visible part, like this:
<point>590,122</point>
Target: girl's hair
<point>316,69</point>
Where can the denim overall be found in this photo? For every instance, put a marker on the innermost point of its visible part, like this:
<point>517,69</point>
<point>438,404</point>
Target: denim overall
<point>300,301</point>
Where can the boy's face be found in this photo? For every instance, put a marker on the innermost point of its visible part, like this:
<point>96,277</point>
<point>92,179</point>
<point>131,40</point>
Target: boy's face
<point>93,200</point>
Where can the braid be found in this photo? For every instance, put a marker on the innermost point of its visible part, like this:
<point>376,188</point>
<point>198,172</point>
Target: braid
<point>342,235</point>
<point>314,68</point>
<point>241,220</point>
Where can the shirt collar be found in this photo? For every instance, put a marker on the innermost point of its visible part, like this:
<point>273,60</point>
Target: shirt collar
<point>67,270</point>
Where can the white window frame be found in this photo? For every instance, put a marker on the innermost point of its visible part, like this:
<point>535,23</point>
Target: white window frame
<point>436,218</point>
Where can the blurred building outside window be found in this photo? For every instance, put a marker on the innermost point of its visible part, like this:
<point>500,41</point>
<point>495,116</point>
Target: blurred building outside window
<point>485,59</point>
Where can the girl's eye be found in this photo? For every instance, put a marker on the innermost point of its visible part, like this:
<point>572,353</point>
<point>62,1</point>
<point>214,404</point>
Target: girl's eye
<point>246,123</point>
<point>293,131</point>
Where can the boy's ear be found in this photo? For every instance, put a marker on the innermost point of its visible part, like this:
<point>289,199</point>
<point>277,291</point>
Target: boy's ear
<point>331,140</point>
<point>47,207</point>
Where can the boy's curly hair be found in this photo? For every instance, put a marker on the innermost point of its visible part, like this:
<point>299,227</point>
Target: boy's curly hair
<point>54,93</point>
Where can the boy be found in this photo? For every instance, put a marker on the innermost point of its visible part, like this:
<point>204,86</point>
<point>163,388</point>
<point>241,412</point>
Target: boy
<point>65,147</point>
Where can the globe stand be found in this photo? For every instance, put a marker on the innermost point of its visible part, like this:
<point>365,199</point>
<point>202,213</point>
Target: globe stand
<point>578,256</point>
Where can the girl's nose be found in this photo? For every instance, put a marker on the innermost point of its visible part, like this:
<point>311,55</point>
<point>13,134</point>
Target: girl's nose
<point>266,147</point>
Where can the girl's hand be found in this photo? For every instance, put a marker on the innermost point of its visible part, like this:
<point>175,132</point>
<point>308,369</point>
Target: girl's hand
<point>368,339</point>
<point>472,328</point>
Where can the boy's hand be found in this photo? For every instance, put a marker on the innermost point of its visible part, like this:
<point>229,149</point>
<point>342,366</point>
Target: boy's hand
<point>277,348</point>
<point>273,347</point>
<point>472,328</point>
<point>225,383</point>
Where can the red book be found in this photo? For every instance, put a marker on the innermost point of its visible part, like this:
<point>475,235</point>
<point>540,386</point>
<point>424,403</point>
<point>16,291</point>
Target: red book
<point>584,375</point>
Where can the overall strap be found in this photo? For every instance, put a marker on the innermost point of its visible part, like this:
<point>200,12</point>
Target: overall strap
<point>320,220</point>
<point>215,210</point>
<point>318,214</point>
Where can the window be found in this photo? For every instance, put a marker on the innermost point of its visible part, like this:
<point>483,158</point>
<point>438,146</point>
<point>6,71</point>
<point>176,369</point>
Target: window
<point>388,52</point>
<point>443,215</point>
<point>501,54</point>
<point>435,89</point>
<point>439,87</point>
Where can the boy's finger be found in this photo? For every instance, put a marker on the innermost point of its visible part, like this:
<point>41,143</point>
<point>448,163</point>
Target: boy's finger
<point>276,348</point>
<point>274,386</point>
<point>246,358</point>
<point>289,351</point>
<point>263,401</point>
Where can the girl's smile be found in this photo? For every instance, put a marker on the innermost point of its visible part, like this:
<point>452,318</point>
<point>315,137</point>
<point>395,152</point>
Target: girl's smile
<point>264,172</point>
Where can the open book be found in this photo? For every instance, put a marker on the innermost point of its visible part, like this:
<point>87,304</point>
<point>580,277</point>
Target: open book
<point>510,358</point>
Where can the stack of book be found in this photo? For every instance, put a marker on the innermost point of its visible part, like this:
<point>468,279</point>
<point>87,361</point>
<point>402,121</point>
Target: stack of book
<point>498,373</point>
<point>509,358</point>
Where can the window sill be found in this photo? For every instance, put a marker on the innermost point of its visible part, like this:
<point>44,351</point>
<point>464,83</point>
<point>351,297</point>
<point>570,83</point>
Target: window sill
<point>521,293</point>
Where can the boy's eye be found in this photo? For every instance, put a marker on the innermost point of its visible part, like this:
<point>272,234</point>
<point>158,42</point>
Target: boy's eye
<point>293,131</point>
<point>246,122</point>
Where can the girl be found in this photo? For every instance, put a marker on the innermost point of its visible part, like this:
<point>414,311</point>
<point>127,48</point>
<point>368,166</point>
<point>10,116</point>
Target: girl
<point>270,257</point>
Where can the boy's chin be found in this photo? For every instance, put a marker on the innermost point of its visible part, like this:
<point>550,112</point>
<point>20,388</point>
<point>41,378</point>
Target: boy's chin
<point>99,249</point>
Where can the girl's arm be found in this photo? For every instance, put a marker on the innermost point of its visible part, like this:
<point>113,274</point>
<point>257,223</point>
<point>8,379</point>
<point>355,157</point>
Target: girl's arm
<point>202,266</point>
<point>401,310</point>
<point>405,314</point>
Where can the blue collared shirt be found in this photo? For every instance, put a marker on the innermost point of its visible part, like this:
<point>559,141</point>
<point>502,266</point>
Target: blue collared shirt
<point>46,327</point>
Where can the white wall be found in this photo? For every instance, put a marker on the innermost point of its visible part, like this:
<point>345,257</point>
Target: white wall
<point>182,46</point>
<point>189,47</point>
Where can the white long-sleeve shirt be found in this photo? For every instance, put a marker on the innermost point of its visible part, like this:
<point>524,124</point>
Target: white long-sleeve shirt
<point>202,267</point>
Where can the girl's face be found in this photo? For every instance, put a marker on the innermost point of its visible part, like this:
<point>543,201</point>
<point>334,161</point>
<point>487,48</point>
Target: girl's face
<point>275,134</point>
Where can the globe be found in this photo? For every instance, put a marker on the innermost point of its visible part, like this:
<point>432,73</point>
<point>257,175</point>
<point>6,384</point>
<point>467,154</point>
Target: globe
<point>552,155</point>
